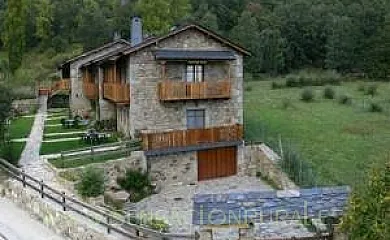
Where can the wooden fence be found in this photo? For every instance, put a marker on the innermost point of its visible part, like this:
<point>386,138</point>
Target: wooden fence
<point>104,218</point>
<point>191,137</point>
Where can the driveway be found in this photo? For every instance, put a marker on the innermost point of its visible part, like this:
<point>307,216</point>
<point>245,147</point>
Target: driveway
<point>15,224</point>
<point>174,203</point>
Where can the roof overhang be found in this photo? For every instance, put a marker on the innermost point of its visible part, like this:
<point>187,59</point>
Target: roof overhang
<point>180,55</point>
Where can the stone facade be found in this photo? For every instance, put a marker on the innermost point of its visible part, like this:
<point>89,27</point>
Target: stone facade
<point>174,168</point>
<point>148,113</point>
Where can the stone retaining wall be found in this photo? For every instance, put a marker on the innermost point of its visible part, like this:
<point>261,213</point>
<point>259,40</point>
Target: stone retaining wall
<point>24,106</point>
<point>260,162</point>
<point>62,223</point>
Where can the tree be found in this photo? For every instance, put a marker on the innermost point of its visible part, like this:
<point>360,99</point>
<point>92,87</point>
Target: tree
<point>271,51</point>
<point>44,20</point>
<point>368,216</point>
<point>5,108</point>
<point>14,35</point>
<point>158,15</point>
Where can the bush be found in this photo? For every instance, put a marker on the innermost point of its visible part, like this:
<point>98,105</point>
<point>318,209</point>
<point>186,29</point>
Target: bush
<point>137,184</point>
<point>286,103</point>
<point>249,88</point>
<point>372,90</point>
<point>362,88</point>
<point>345,100</point>
<point>91,183</point>
<point>307,95</point>
<point>329,93</point>
<point>376,107</point>
<point>276,85</point>
<point>156,224</point>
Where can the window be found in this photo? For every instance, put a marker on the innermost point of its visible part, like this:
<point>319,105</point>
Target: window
<point>194,73</point>
<point>195,119</point>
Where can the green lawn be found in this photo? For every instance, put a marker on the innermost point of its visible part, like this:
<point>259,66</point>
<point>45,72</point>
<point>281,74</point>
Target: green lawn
<point>60,129</point>
<point>340,141</point>
<point>58,147</point>
<point>87,159</point>
<point>16,149</point>
<point>21,127</point>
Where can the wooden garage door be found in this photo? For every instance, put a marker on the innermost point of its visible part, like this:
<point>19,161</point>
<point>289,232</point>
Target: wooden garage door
<point>216,163</point>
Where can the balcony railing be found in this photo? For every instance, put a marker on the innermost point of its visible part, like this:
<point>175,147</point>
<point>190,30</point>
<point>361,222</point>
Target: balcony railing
<point>117,92</point>
<point>61,85</point>
<point>90,90</point>
<point>178,91</point>
<point>192,137</point>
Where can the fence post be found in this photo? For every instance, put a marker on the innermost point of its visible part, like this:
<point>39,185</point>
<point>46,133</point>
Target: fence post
<point>108,225</point>
<point>42,188</point>
<point>63,201</point>
<point>23,178</point>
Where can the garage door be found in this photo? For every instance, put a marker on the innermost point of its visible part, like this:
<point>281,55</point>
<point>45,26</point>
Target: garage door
<point>216,163</point>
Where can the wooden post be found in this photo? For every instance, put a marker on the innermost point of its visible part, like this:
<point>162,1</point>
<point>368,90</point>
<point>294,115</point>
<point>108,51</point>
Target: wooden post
<point>24,178</point>
<point>63,201</point>
<point>108,225</point>
<point>42,188</point>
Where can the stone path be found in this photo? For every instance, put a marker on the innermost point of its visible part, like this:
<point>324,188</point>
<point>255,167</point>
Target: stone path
<point>174,204</point>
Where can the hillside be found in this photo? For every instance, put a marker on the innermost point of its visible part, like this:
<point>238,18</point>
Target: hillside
<point>341,141</point>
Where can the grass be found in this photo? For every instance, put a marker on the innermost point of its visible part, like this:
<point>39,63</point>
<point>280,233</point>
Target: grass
<point>87,159</point>
<point>73,135</point>
<point>21,127</point>
<point>340,141</point>
<point>60,129</point>
<point>58,147</point>
<point>17,149</point>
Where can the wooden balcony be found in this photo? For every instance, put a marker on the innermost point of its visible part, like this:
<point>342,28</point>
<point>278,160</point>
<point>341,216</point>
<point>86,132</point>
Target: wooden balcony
<point>179,91</point>
<point>192,137</point>
<point>117,92</point>
<point>61,85</point>
<point>91,90</point>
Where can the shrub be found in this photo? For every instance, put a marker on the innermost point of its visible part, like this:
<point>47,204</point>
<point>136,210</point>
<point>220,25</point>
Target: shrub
<point>286,103</point>
<point>249,88</point>
<point>329,93</point>
<point>345,100</point>
<point>362,88</point>
<point>146,220</point>
<point>276,85</point>
<point>307,95</point>
<point>91,183</point>
<point>376,107</point>
<point>137,184</point>
<point>372,90</point>
<point>292,82</point>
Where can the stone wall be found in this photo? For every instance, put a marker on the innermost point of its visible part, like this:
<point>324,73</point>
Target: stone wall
<point>114,169</point>
<point>123,121</point>
<point>107,110</point>
<point>148,113</point>
<point>79,104</point>
<point>174,168</point>
<point>62,223</point>
<point>25,106</point>
<point>260,161</point>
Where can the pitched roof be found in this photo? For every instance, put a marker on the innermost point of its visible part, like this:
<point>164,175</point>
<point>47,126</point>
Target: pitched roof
<point>185,28</point>
<point>95,50</point>
<point>268,206</point>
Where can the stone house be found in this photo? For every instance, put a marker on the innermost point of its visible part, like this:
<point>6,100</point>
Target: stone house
<point>181,94</point>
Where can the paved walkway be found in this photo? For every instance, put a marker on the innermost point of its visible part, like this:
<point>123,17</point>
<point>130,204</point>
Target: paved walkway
<point>174,204</point>
<point>15,224</point>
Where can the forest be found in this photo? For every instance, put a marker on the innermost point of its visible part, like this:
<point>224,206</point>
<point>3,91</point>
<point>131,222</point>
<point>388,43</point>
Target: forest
<point>350,36</point>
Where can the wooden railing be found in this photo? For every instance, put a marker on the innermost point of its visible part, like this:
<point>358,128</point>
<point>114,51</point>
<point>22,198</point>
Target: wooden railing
<point>177,91</point>
<point>117,92</point>
<point>63,84</point>
<point>90,90</point>
<point>191,137</point>
<point>114,223</point>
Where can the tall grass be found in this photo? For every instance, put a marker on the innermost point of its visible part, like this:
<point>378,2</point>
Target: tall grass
<point>298,169</point>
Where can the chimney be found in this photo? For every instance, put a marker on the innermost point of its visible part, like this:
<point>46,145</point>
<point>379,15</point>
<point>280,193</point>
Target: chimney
<point>136,31</point>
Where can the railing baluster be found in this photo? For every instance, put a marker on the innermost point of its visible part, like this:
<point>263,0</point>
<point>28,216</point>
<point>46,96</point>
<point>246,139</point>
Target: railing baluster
<point>23,178</point>
<point>42,188</point>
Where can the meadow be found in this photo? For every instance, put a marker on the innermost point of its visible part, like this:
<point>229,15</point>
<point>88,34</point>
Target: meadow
<point>340,141</point>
